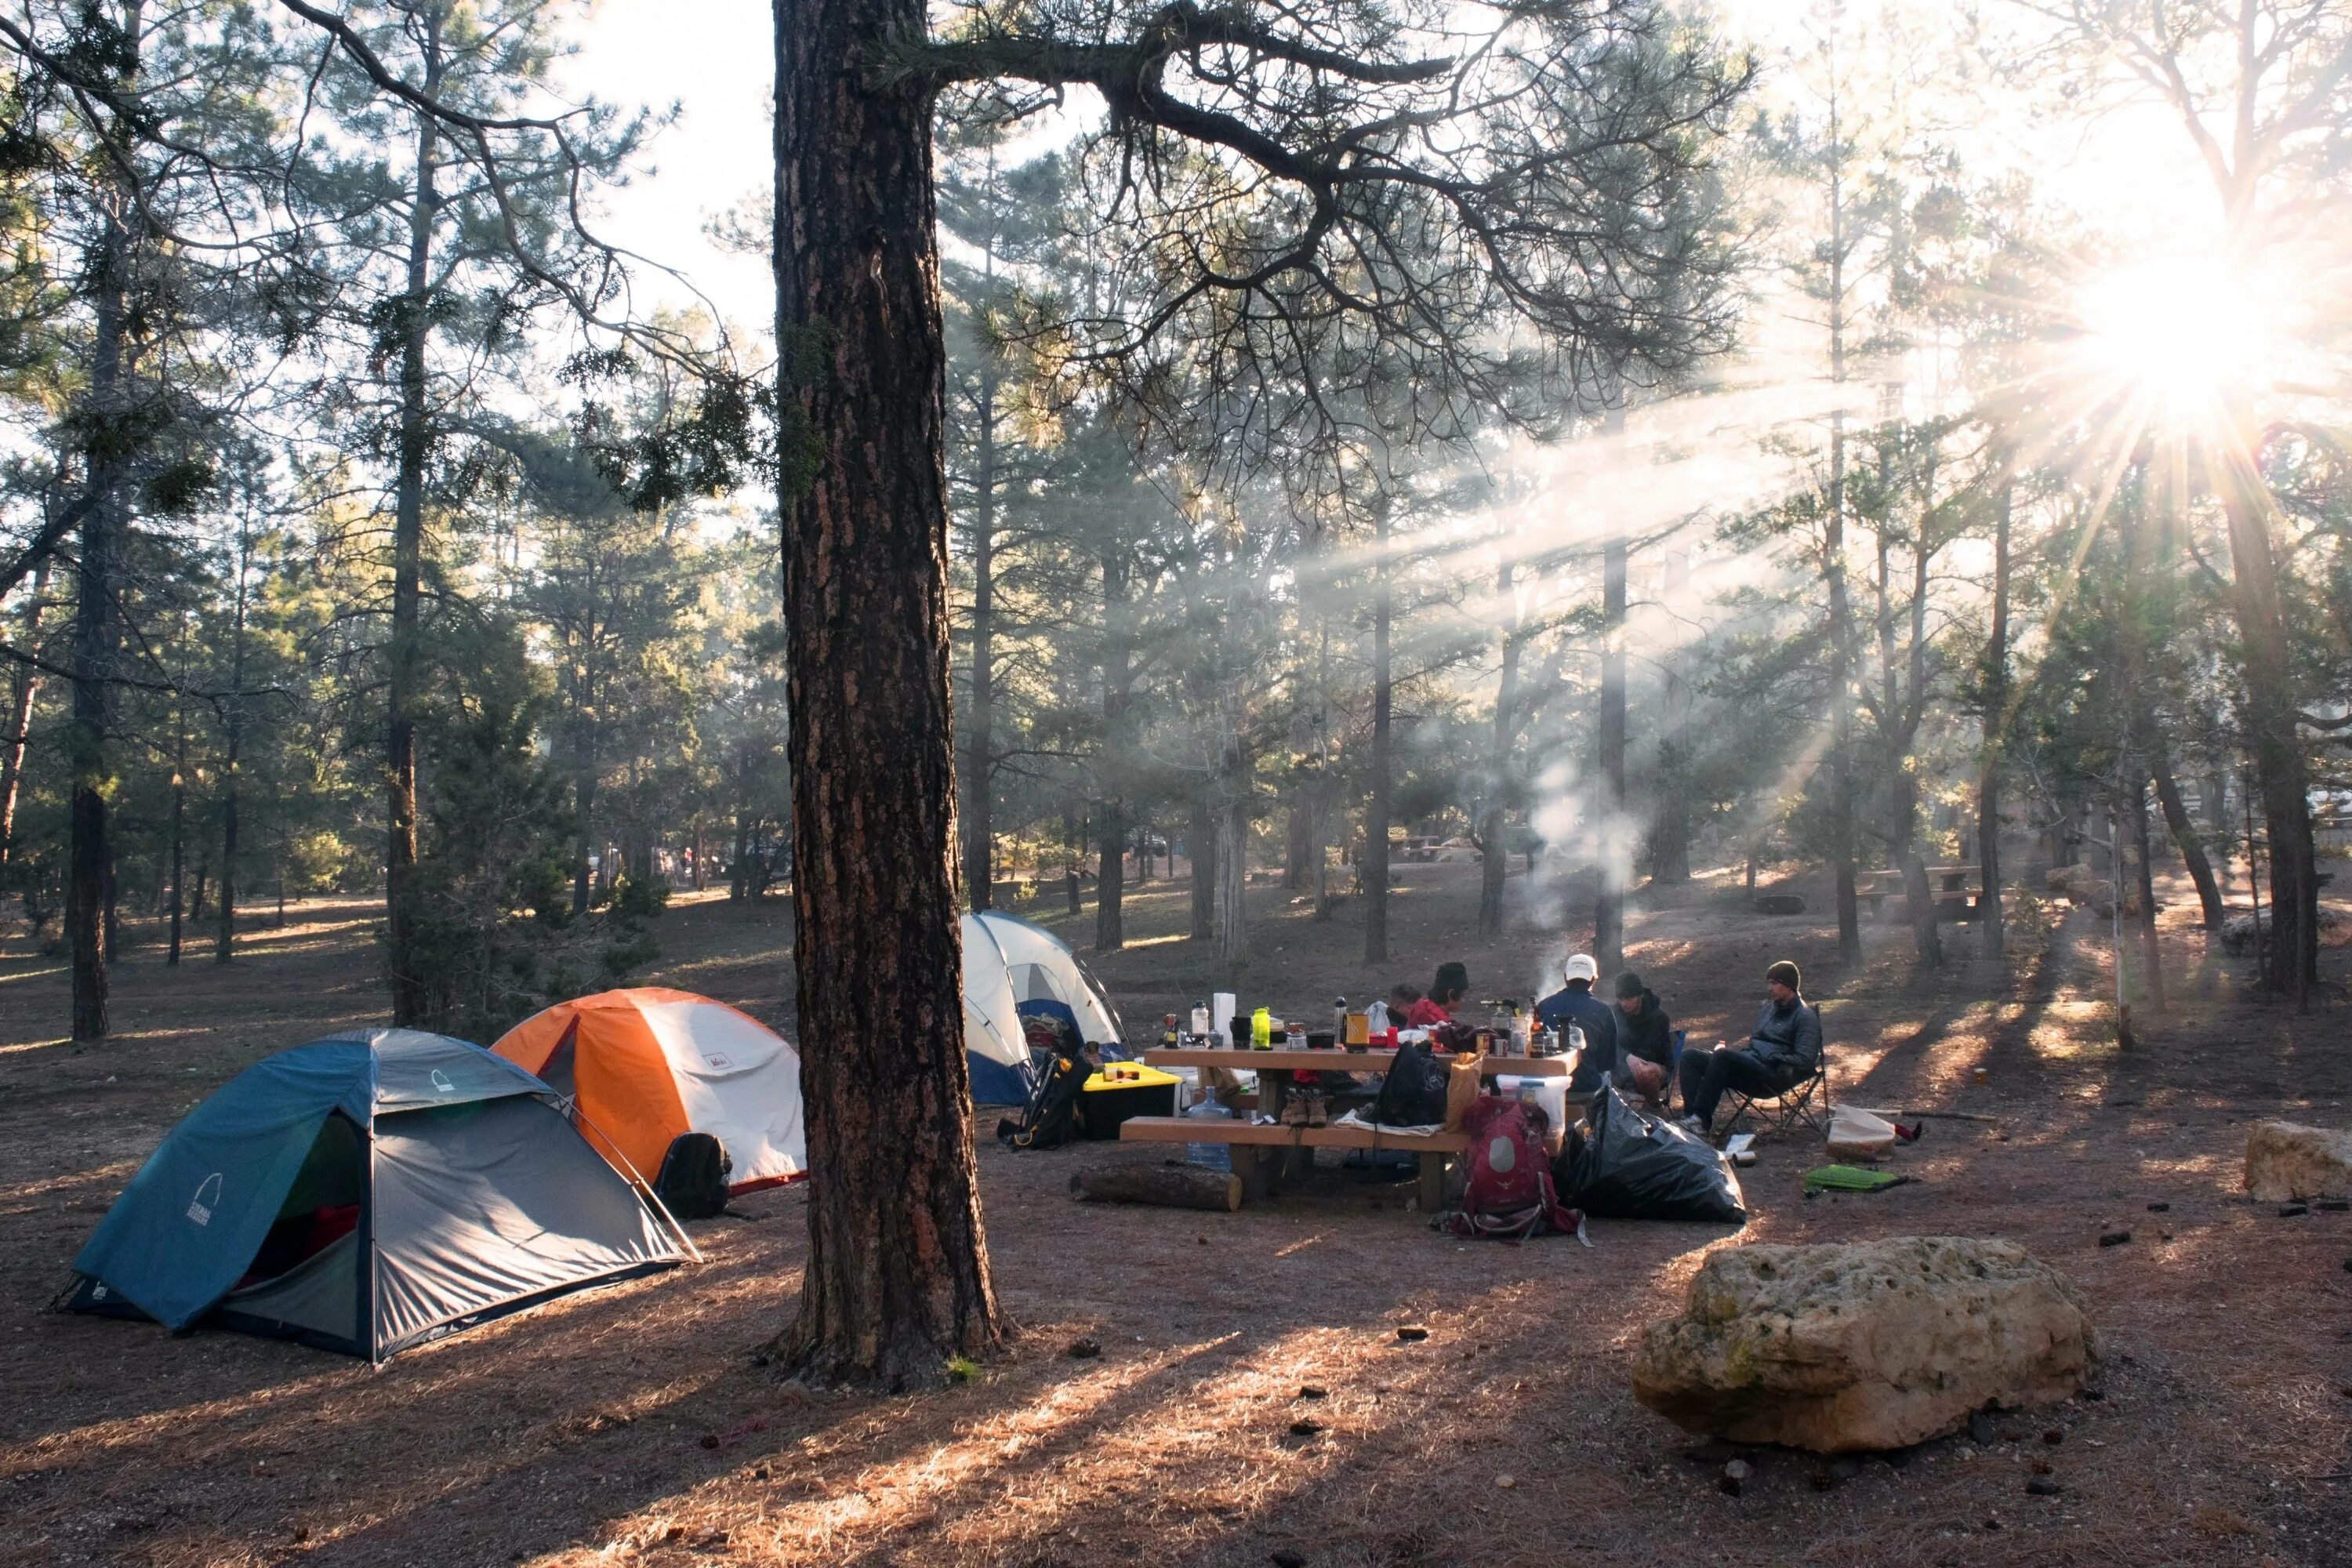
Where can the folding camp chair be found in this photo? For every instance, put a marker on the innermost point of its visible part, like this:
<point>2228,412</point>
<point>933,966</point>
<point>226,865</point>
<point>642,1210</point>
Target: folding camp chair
<point>1803,1104</point>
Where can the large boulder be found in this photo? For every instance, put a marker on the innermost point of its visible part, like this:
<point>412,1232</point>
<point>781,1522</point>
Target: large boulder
<point>1878,1344</point>
<point>2284,1162</point>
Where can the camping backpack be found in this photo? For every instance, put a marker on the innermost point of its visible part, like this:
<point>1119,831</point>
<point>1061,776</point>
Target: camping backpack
<point>1510,1194</point>
<point>693,1180</point>
<point>1413,1093</point>
<point>1053,1116</point>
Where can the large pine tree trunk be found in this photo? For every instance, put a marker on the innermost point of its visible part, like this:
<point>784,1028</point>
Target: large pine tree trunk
<point>1201,840</point>
<point>1110,870</point>
<point>20,715</point>
<point>2291,957</point>
<point>1494,824</point>
<point>96,572</point>
<point>1993,728</point>
<point>2144,894</point>
<point>1927,943</point>
<point>2184,834</point>
<point>898,1276</point>
<point>404,660</point>
<point>1616,858</point>
<point>1375,863</point>
<point>233,714</point>
<point>980,722</point>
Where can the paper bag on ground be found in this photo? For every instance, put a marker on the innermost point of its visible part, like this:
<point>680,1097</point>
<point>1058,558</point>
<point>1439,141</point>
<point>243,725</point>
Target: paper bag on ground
<point>1859,1134</point>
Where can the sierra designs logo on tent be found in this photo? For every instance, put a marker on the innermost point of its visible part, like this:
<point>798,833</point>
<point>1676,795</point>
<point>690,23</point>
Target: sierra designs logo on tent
<point>441,1084</point>
<point>716,1060</point>
<point>207,1198</point>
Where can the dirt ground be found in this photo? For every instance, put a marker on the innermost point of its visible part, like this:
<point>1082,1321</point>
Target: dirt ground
<point>633,1426</point>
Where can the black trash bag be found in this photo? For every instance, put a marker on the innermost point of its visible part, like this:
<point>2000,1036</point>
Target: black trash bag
<point>1413,1093</point>
<point>1632,1165</point>
<point>693,1180</point>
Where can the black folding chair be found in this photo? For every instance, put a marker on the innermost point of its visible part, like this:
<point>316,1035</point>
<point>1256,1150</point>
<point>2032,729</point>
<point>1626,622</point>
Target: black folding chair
<point>1803,1104</point>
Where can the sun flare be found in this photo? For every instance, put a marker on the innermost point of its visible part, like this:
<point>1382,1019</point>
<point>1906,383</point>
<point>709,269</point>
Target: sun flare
<point>2184,336</point>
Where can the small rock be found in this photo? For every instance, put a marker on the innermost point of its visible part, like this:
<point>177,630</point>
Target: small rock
<point>2164,1236</point>
<point>2043,1486</point>
<point>1312,1391</point>
<point>1286,1558</point>
<point>2333,1205</point>
<point>2159,1208</point>
<point>301,1534</point>
<point>2053,1436</point>
<point>1414,1333</point>
<point>762,1473</point>
<point>1086,1347</point>
<point>2294,1211</point>
<point>2041,1466</point>
<point>1982,1431</point>
<point>1302,1428</point>
<point>2094,1394</point>
<point>1201,1239</point>
<point>711,1439</point>
<point>1734,1477</point>
<point>2348,1265</point>
<point>1506,1482</point>
<point>2114,1237</point>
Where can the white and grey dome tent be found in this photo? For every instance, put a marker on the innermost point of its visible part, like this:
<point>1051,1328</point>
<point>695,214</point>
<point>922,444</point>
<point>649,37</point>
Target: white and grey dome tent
<point>1012,970</point>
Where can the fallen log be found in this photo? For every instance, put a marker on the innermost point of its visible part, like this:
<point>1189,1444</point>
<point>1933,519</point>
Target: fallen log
<point>1165,1187</point>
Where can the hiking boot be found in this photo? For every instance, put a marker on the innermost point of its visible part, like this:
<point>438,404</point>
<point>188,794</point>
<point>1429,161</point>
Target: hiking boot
<point>1318,1110</point>
<point>1294,1110</point>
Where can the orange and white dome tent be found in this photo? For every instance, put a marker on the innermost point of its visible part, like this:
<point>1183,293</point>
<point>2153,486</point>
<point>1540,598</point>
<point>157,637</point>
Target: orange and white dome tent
<point>643,1065</point>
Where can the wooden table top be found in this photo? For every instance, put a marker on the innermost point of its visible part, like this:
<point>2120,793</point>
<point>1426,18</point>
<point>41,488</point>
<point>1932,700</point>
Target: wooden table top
<point>1341,1061</point>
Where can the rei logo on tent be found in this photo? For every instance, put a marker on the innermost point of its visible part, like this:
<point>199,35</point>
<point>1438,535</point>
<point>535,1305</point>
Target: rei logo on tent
<point>441,1084</point>
<point>199,1210</point>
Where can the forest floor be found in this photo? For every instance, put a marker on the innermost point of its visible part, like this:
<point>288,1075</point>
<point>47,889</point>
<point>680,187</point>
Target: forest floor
<point>632,1425</point>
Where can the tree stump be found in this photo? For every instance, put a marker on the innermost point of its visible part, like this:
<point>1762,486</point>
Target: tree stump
<point>1164,1186</point>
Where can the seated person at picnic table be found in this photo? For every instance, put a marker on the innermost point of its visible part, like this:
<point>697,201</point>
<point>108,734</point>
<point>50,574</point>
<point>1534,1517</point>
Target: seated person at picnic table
<point>1784,1051</point>
<point>1645,1038</point>
<point>1445,994</point>
<point>1574,1006</point>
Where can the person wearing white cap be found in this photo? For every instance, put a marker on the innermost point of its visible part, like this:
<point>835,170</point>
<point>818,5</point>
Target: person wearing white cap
<point>1575,1006</point>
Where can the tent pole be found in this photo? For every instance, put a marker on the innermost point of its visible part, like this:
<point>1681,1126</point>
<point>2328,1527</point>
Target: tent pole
<point>637,1177</point>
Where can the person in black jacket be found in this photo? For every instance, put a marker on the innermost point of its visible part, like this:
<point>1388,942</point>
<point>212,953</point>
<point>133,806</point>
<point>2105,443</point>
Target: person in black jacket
<point>1784,1050</point>
<point>1645,1038</point>
<point>1574,1006</point>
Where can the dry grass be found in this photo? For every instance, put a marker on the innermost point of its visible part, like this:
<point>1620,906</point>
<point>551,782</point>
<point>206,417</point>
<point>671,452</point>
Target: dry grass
<point>631,1426</point>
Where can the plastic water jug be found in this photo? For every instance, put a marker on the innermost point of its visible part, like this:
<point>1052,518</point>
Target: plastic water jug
<point>1209,1156</point>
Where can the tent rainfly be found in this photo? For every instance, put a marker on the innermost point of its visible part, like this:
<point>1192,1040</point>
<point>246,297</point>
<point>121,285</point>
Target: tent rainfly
<point>644,1066</point>
<point>1012,970</point>
<point>364,1194</point>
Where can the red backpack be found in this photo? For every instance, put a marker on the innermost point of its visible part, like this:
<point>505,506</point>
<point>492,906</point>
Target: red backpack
<point>1510,1196</point>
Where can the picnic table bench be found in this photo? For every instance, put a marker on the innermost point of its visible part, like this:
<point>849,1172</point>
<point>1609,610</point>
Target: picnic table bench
<point>1260,1150</point>
<point>1959,890</point>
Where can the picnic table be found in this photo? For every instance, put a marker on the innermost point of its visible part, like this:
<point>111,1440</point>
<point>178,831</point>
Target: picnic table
<point>1259,1150</point>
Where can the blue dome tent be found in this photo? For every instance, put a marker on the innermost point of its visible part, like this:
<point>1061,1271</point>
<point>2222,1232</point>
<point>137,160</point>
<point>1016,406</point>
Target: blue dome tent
<point>366,1192</point>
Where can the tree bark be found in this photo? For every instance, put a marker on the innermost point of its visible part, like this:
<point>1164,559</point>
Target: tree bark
<point>1375,863</point>
<point>96,573</point>
<point>898,1275</point>
<point>2184,832</point>
<point>1609,910</point>
<point>1233,853</point>
<point>1493,828</point>
<point>411,994</point>
<point>233,717</point>
<point>1164,1186</point>
<point>980,723</point>
<point>1201,839</point>
<point>1993,729</point>
<point>1833,578</point>
<point>1110,871</point>
<point>2291,958</point>
<point>2152,951</point>
<point>27,686</point>
<point>1927,943</point>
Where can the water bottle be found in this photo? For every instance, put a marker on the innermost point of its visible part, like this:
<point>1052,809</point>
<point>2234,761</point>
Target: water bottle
<point>1200,1021</point>
<point>1262,1029</point>
<point>1209,1156</point>
<point>1378,1017</point>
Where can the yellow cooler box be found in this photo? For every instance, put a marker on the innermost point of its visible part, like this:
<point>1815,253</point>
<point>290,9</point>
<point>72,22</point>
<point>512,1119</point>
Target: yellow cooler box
<point>1122,1089</point>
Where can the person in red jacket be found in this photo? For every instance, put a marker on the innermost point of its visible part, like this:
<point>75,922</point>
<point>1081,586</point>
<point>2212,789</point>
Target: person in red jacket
<point>1445,994</point>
